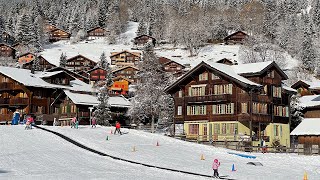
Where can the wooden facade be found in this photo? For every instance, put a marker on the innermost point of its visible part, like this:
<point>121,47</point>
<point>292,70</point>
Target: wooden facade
<point>7,51</point>
<point>171,66</point>
<point>209,95</point>
<point>44,64</point>
<point>125,58</point>
<point>97,74</point>
<point>128,72</point>
<point>25,58</point>
<point>143,39</point>
<point>79,63</point>
<point>236,38</point>
<point>97,33</point>
<point>120,86</point>
<point>225,61</point>
<point>74,74</point>
<point>58,34</point>
<point>303,88</point>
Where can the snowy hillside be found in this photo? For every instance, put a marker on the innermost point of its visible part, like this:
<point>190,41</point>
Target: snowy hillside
<point>176,154</point>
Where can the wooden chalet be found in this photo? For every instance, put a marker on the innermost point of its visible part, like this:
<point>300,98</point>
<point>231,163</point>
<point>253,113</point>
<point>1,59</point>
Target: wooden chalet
<point>221,102</point>
<point>58,34</point>
<point>225,61</point>
<point>128,72</point>
<point>7,51</point>
<point>35,94</point>
<point>44,64</point>
<point>125,58</point>
<point>120,86</point>
<point>96,74</point>
<point>307,88</point>
<point>79,62</point>
<point>143,39</point>
<point>50,27</point>
<point>74,74</point>
<point>25,58</point>
<point>236,38</point>
<point>97,33</point>
<point>172,66</point>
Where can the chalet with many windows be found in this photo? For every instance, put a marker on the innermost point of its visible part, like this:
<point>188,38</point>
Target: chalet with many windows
<point>120,86</point>
<point>58,34</point>
<point>125,58</point>
<point>97,33</point>
<point>44,64</point>
<point>25,58</point>
<point>128,72</point>
<point>35,93</point>
<point>143,39</point>
<point>79,63</point>
<point>236,38</point>
<point>221,102</point>
<point>7,51</point>
<point>171,66</point>
<point>97,74</point>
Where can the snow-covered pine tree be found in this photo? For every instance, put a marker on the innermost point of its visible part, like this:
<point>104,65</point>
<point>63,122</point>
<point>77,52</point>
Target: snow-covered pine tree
<point>315,13</point>
<point>148,100</point>
<point>35,64</point>
<point>142,29</point>
<point>296,112</point>
<point>63,60</point>
<point>103,61</point>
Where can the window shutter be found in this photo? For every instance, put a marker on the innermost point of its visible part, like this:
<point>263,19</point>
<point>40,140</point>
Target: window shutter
<point>205,110</point>
<point>232,108</point>
<point>215,88</point>
<point>214,109</point>
<point>190,91</point>
<point>200,77</point>
<point>203,91</point>
<point>188,110</point>
<point>230,88</point>
<point>223,107</point>
<point>275,130</point>
<point>273,91</point>
<point>197,110</point>
<point>287,111</point>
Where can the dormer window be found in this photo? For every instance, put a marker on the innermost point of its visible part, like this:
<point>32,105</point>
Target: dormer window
<point>203,76</point>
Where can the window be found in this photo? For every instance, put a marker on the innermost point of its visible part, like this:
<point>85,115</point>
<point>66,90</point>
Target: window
<point>179,113</point>
<point>276,92</point>
<point>260,108</point>
<point>216,129</point>
<point>213,76</point>
<point>222,89</point>
<point>265,90</point>
<point>203,76</point>
<point>197,91</point>
<point>224,128</point>
<point>281,111</point>
<point>276,130</point>
<point>244,107</point>
<point>180,93</point>
<point>223,109</point>
<point>194,129</point>
<point>270,74</point>
<point>197,110</point>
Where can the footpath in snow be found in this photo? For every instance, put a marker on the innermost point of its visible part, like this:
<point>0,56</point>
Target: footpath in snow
<point>171,153</point>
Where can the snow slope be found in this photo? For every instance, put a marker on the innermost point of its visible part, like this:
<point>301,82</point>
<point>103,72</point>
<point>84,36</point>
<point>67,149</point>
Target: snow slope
<point>185,156</point>
<point>36,154</point>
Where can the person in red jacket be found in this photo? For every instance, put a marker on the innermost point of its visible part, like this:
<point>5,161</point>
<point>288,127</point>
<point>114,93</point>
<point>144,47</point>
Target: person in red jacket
<point>118,126</point>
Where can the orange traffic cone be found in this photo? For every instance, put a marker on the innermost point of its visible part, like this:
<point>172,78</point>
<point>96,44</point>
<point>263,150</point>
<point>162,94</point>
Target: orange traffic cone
<point>202,157</point>
<point>158,143</point>
<point>305,176</point>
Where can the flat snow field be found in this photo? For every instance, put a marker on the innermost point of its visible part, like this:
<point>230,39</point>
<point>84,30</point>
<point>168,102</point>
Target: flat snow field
<point>52,157</point>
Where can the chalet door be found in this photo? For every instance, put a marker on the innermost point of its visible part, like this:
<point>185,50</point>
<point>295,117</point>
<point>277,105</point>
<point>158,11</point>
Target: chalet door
<point>205,132</point>
<point>210,131</point>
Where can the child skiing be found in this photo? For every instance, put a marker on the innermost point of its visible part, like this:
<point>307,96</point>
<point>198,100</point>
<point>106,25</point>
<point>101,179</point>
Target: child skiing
<point>215,166</point>
<point>73,122</point>
<point>118,126</point>
<point>94,122</point>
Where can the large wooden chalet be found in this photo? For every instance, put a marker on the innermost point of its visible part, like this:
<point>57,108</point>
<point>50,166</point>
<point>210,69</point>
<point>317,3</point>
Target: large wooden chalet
<point>306,87</point>
<point>125,58</point>
<point>72,73</point>
<point>96,74</point>
<point>221,102</point>
<point>236,38</point>
<point>43,64</point>
<point>128,72</point>
<point>97,33</point>
<point>58,34</point>
<point>7,51</point>
<point>79,62</point>
<point>171,66</point>
<point>143,39</point>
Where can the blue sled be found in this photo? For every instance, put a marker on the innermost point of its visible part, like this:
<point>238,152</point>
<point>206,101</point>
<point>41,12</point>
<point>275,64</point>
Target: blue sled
<point>243,155</point>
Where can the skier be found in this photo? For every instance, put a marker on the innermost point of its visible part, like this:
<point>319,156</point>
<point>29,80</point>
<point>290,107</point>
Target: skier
<point>215,166</point>
<point>93,122</point>
<point>118,126</point>
<point>73,122</point>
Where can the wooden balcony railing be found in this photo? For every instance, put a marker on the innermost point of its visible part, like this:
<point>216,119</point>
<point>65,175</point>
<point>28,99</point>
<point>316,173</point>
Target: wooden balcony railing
<point>5,86</point>
<point>4,101</point>
<point>19,101</point>
<point>208,98</point>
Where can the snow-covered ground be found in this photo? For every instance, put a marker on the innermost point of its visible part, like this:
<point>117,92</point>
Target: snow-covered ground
<point>171,153</point>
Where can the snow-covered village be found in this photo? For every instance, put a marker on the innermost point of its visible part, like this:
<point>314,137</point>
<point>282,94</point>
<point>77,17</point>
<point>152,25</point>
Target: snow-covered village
<point>160,89</point>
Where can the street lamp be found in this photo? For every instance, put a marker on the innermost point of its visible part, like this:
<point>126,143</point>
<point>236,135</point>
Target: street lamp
<point>90,108</point>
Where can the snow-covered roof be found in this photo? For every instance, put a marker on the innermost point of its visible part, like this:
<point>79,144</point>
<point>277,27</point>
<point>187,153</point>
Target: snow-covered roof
<point>309,101</point>
<point>308,126</point>
<point>49,74</point>
<point>92,100</point>
<point>25,77</point>
<point>251,67</point>
<point>285,87</point>
<point>314,84</point>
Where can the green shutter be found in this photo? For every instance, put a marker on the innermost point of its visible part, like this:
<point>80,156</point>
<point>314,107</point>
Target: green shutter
<point>190,91</point>
<point>215,88</point>
<point>232,108</point>
<point>203,91</point>
<point>205,109</point>
<point>188,110</point>
<point>223,109</point>
<point>214,109</point>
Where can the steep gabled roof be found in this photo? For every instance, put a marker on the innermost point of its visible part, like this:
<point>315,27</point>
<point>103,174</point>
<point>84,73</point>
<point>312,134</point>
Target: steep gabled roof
<point>95,29</point>
<point>60,30</point>
<point>95,68</point>
<point>308,126</point>
<point>234,34</point>
<point>125,67</point>
<point>145,35</point>
<point>253,69</point>
<point>79,55</point>
<point>170,61</point>
<point>225,70</point>
<point>315,84</point>
<point>68,71</point>
<point>133,53</point>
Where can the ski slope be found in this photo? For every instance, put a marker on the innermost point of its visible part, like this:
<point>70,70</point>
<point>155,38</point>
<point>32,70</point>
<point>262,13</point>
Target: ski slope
<point>36,154</point>
<point>185,156</point>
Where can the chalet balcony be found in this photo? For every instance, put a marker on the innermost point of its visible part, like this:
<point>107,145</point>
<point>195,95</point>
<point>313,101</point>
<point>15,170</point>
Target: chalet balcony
<point>5,117</point>
<point>208,98</point>
<point>4,101</point>
<point>40,101</point>
<point>19,101</point>
<point>9,86</point>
